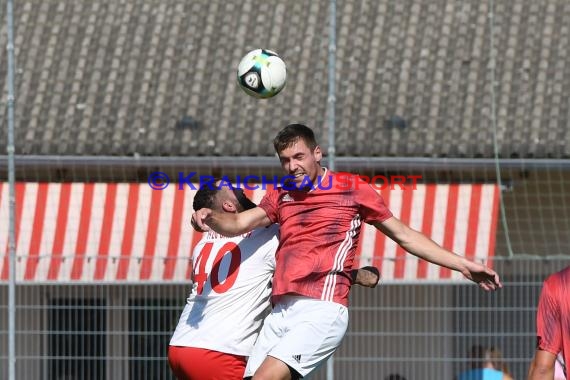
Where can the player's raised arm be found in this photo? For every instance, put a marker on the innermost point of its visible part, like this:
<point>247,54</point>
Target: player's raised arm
<point>423,247</point>
<point>542,366</point>
<point>229,224</point>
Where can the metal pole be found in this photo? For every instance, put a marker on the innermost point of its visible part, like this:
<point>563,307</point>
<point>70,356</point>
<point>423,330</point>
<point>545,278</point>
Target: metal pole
<point>494,124</point>
<point>12,199</point>
<point>331,101</point>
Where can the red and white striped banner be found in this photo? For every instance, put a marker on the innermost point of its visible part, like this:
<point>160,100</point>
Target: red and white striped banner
<point>460,217</point>
<point>106,232</point>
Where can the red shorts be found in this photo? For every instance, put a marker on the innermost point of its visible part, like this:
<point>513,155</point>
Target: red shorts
<point>189,363</point>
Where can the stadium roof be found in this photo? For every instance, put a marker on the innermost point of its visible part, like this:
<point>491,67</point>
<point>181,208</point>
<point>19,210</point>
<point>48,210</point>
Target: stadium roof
<point>157,78</point>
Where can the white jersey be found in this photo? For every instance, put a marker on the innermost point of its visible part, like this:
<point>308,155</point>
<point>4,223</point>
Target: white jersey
<point>231,291</point>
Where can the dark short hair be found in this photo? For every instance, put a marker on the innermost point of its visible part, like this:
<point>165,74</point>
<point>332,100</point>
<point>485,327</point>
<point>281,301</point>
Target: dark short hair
<point>291,134</point>
<point>395,376</point>
<point>205,197</point>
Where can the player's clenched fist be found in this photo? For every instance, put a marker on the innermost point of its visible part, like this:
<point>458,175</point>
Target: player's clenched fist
<point>199,219</point>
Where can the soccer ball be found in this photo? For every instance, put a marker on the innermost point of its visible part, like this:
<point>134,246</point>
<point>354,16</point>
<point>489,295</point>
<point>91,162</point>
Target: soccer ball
<point>262,73</point>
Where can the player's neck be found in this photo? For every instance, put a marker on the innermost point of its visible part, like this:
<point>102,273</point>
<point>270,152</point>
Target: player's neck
<point>322,172</point>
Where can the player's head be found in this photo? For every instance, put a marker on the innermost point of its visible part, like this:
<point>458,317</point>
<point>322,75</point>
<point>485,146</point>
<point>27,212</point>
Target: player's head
<point>298,151</point>
<point>222,197</point>
<point>494,358</point>
<point>291,134</point>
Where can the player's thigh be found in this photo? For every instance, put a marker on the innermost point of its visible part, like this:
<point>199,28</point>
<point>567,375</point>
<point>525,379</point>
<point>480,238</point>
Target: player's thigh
<point>274,369</point>
<point>314,335</point>
<point>189,363</point>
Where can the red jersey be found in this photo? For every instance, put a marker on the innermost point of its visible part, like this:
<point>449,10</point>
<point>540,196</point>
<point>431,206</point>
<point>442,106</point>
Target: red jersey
<point>319,231</point>
<point>553,316</point>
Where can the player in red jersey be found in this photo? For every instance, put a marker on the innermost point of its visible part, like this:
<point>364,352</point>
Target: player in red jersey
<point>552,326</point>
<point>320,217</point>
<point>230,294</point>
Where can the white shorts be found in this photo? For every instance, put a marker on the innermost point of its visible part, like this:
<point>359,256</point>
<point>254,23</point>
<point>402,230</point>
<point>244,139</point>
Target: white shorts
<point>301,332</point>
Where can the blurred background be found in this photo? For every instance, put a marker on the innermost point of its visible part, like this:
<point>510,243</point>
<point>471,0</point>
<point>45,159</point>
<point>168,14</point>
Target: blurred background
<point>469,96</point>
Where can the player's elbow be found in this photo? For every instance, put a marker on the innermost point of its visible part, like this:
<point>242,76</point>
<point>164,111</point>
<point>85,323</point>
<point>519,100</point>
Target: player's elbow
<point>408,238</point>
<point>397,231</point>
<point>543,370</point>
<point>540,370</point>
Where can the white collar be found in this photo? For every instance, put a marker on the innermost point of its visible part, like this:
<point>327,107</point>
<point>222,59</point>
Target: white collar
<point>322,178</point>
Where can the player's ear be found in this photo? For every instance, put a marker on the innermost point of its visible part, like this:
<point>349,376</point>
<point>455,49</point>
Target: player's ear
<point>318,153</point>
<point>229,206</point>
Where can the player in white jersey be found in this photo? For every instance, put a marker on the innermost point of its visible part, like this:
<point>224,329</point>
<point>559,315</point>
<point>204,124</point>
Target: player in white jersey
<point>230,294</point>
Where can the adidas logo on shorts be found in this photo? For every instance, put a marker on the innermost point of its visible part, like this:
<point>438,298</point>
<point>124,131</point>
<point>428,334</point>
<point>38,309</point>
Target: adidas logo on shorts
<point>297,358</point>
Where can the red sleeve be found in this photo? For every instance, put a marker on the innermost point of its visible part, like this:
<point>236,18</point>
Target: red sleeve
<point>372,206</point>
<point>548,323</point>
<point>270,204</point>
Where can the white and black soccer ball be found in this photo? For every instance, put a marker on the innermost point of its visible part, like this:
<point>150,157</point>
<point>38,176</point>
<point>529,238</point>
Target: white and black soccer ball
<point>262,73</point>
